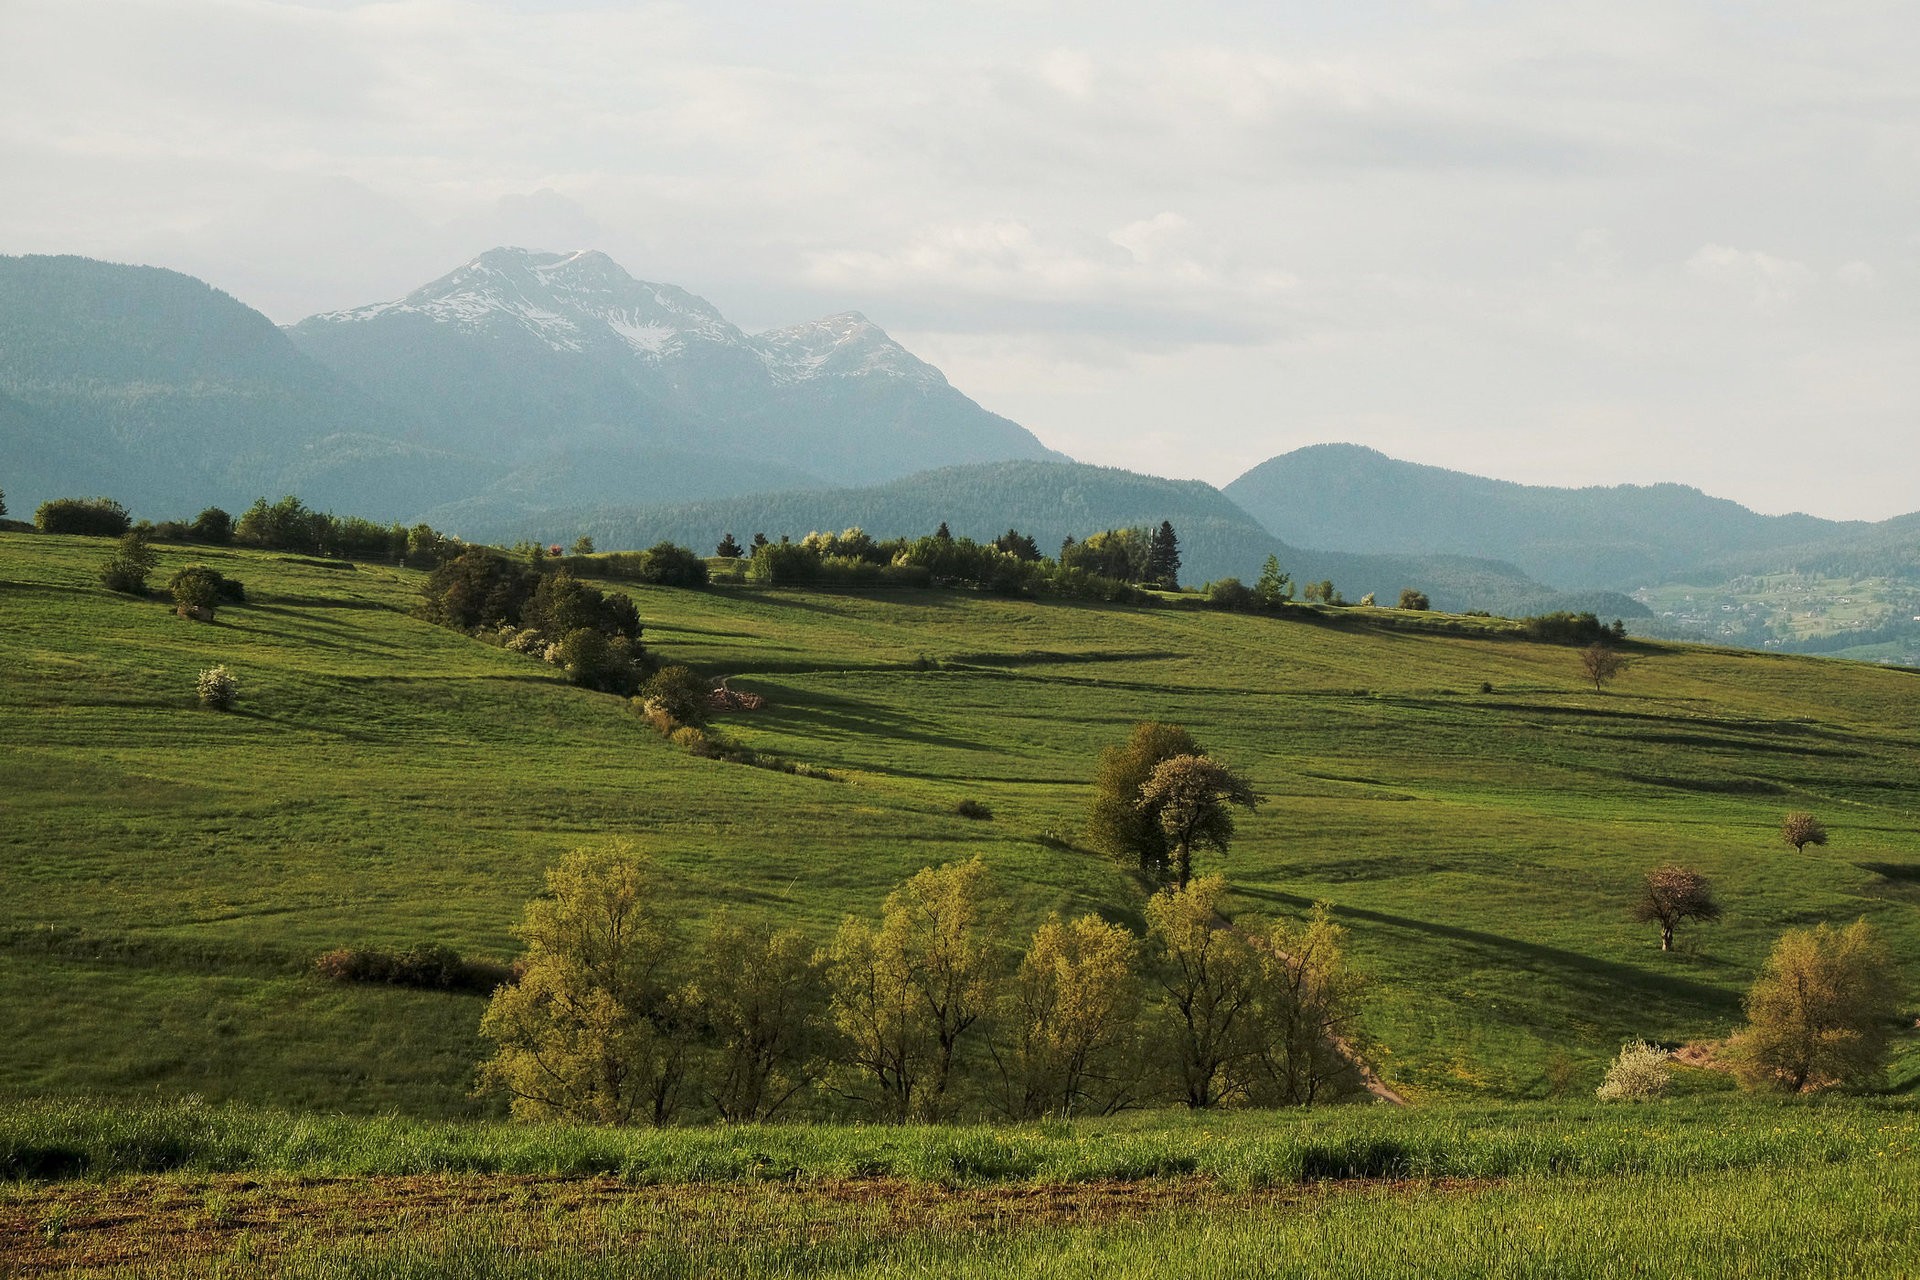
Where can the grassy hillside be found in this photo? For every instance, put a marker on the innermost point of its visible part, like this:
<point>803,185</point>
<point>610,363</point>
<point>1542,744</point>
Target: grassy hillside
<point>169,872</point>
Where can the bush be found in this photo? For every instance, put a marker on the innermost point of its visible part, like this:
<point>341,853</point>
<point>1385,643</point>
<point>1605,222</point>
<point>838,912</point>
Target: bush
<point>218,689</point>
<point>1640,1074</point>
<point>196,587</point>
<point>129,566</point>
<point>680,692</point>
<point>975,810</point>
<point>96,517</point>
<point>1230,593</point>
<point>432,966</point>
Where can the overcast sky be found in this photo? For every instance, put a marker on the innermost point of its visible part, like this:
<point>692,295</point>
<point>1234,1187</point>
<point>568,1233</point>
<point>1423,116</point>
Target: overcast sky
<point>1556,242</point>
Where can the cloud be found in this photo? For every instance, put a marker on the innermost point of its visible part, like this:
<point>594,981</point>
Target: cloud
<point>1770,283</point>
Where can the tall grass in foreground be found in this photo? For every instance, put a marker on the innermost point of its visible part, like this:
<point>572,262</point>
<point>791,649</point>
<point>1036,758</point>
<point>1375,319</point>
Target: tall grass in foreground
<point>1853,1220</point>
<point>69,1139</point>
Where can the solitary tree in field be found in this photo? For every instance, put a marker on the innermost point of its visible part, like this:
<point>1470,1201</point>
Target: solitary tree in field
<point>583,545</point>
<point>1819,1013</point>
<point>1673,894</point>
<point>1193,797</point>
<point>591,1030</point>
<point>1801,830</point>
<point>1117,821</point>
<point>1600,663</point>
<point>1416,600</point>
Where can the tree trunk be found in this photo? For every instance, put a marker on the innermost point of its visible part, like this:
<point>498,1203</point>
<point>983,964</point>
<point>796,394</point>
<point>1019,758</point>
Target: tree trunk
<point>1666,937</point>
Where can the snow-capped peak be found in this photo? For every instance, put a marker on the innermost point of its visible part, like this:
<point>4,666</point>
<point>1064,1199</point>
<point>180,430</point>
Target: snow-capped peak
<point>843,345</point>
<point>570,301</point>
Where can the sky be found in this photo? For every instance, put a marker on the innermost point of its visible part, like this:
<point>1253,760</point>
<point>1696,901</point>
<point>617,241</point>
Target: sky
<point>1558,242</point>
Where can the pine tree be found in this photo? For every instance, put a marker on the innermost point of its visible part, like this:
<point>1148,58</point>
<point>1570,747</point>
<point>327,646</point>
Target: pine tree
<point>728,548</point>
<point>1163,558</point>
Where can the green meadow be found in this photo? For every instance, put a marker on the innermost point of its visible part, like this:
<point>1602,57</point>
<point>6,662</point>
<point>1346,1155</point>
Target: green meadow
<point>1476,815</point>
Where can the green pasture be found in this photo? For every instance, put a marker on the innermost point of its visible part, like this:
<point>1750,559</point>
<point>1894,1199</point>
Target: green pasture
<point>1707,1186</point>
<point>1475,814</point>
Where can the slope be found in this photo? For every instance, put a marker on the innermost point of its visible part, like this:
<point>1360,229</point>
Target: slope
<point>1622,537</point>
<point>171,872</point>
<point>162,391</point>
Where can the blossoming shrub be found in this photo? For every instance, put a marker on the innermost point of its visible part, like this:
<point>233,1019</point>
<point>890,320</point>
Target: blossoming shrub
<point>218,689</point>
<point>1639,1074</point>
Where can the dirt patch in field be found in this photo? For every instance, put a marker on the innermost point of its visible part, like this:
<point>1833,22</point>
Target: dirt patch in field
<point>100,1228</point>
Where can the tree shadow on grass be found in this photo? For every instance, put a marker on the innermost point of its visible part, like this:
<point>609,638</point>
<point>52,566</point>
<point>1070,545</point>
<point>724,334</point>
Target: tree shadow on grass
<point>811,715</point>
<point>1602,982</point>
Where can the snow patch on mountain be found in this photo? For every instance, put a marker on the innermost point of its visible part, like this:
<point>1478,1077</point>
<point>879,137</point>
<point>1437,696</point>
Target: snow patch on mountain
<point>585,300</point>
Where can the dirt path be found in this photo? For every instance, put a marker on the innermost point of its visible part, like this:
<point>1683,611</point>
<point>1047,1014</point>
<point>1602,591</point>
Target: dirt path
<point>127,1224</point>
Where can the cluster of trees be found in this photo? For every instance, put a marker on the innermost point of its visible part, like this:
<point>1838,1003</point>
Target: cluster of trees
<point>1112,565</point>
<point>286,525</point>
<point>928,1012</point>
<point>665,564</point>
<point>529,607</point>
<point>92,517</point>
<point>290,525</point>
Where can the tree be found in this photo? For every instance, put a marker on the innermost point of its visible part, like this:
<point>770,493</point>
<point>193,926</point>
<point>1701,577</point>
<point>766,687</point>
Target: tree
<point>1275,586</point>
<point>1163,558</point>
<point>759,541</point>
<point>591,1031</point>
<point>762,998</point>
<point>3,502</point>
<point>728,548</point>
<point>1322,592</point>
<point>196,588</point>
<point>1117,822</point>
<point>1071,1015</point>
<point>943,533</point>
<point>127,569</point>
<point>1601,662</point>
<point>1801,830</point>
<point>906,993</point>
<point>1819,1013</point>
<point>1415,600</point>
<point>1018,545</point>
<point>1306,1014</point>
<point>213,526</point>
<point>582,546</point>
<point>1191,796</point>
<point>1672,894</point>
<point>477,588</point>
<point>1209,978</point>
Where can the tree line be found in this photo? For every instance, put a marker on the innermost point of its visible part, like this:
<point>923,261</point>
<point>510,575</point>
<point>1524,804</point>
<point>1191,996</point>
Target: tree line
<point>930,1011</point>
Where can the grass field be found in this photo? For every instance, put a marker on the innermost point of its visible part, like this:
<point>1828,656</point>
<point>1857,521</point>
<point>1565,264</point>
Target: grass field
<point>168,873</point>
<point>1708,1187</point>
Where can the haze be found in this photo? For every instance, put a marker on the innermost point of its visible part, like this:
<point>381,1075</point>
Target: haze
<point>1557,243</point>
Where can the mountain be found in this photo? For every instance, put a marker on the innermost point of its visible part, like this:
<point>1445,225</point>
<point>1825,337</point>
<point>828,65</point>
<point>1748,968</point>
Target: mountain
<point>159,390</point>
<point>1048,501</point>
<point>1621,537</point>
<point>531,356</point>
